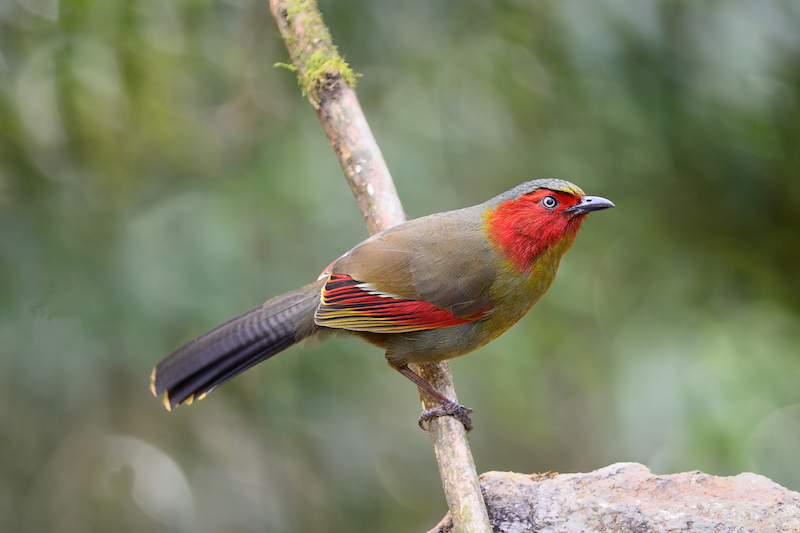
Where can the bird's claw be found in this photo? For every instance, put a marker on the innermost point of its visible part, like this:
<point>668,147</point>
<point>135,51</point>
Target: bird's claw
<point>459,412</point>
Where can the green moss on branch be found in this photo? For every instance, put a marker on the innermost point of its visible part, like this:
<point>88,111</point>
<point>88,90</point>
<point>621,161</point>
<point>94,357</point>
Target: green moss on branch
<point>316,60</point>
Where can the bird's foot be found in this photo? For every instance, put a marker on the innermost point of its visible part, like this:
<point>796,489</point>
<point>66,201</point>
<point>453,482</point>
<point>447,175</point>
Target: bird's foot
<point>460,412</point>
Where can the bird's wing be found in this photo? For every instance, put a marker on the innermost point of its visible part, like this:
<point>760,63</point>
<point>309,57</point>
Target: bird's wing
<point>428,273</point>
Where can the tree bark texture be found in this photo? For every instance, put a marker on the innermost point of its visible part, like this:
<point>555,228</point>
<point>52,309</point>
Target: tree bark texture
<point>329,83</point>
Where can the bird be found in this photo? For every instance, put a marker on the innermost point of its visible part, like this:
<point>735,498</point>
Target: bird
<point>426,290</point>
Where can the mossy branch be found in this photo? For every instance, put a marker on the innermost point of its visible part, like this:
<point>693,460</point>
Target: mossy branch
<point>316,60</point>
<point>328,83</point>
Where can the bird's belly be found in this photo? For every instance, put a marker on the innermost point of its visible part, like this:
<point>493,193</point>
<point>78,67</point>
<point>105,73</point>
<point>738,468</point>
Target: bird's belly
<point>431,345</point>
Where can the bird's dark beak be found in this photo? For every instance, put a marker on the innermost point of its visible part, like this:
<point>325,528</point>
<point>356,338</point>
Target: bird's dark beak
<point>589,204</point>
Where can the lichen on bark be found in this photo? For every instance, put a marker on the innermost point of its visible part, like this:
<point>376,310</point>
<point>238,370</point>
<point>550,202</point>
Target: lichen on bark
<point>310,45</point>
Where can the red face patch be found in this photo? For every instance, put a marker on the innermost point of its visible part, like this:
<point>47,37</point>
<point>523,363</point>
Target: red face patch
<point>525,227</point>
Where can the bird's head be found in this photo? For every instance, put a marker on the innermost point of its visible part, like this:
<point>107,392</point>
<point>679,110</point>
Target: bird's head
<point>538,216</point>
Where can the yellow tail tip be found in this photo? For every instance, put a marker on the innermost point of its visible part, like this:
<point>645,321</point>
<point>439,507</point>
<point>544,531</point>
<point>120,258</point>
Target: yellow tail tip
<point>195,398</point>
<point>153,383</point>
<point>166,401</point>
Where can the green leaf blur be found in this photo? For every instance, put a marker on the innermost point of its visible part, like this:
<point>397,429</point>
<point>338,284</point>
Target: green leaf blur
<point>158,175</point>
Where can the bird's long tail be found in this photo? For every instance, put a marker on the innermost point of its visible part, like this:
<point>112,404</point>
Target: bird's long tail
<point>213,358</point>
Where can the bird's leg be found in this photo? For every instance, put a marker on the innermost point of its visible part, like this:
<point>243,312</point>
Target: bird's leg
<point>448,408</point>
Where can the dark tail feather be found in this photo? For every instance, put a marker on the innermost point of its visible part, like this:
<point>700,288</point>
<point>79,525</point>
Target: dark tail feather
<point>213,358</point>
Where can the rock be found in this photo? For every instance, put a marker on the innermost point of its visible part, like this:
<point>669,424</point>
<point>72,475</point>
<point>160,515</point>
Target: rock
<point>626,497</point>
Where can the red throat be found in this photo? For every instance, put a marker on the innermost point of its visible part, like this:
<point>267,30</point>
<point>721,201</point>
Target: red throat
<point>522,229</point>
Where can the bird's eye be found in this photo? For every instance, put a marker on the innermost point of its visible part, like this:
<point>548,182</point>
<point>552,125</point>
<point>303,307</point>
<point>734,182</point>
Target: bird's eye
<point>549,202</point>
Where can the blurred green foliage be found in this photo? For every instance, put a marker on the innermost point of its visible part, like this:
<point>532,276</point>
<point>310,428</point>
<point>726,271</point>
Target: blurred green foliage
<point>158,176</point>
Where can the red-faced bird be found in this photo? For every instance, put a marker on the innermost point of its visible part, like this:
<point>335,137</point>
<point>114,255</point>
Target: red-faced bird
<point>426,290</point>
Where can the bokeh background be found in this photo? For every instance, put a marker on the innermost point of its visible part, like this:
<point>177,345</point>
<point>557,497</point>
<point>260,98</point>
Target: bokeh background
<point>158,175</point>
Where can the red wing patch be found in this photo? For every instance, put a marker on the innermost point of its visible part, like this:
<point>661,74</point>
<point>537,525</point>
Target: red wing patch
<point>350,304</point>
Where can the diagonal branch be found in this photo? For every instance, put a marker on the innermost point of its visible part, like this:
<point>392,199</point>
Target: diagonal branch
<point>328,82</point>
